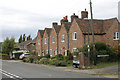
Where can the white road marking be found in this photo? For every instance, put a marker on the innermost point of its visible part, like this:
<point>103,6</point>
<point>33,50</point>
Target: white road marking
<point>10,74</point>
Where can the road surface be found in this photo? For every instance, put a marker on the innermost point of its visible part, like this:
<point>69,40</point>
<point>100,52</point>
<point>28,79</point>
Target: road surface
<point>14,69</point>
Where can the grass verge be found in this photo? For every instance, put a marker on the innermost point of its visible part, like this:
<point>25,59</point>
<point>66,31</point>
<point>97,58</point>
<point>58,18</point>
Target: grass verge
<point>103,65</point>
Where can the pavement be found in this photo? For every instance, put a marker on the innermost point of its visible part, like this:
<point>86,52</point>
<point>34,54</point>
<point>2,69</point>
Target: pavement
<point>60,72</point>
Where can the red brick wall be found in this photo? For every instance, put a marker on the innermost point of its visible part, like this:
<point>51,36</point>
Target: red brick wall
<point>45,46</point>
<point>80,40</point>
<point>63,45</point>
<point>39,47</point>
<point>108,38</point>
<point>53,46</point>
<point>31,47</point>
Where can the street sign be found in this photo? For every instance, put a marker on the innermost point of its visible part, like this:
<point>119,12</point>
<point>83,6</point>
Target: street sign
<point>102,55</point>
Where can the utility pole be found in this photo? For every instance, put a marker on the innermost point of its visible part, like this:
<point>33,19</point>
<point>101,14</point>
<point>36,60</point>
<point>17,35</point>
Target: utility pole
<point>94,52</point>
<point>88,48</point>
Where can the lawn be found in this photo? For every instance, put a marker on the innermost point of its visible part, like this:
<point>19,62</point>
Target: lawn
<point>102,65</point>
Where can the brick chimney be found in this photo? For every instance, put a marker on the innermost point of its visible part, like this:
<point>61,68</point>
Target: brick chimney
<point>73,17</point>
<point>54,24</point>
<point>84,14</point>
<point>65,19</point>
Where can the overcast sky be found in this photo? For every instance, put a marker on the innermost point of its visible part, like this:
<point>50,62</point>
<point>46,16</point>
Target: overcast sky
<point>28,16</point>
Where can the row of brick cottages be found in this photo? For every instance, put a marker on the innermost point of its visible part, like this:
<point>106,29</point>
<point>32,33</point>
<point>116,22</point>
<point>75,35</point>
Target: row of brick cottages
<point>74,34</point>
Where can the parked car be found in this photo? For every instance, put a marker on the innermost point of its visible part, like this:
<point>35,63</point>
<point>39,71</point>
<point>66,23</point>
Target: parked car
<point>24,55</point>
<point>76,63</point>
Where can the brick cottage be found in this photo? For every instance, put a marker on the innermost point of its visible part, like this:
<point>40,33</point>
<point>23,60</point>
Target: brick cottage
<point>74,34</point>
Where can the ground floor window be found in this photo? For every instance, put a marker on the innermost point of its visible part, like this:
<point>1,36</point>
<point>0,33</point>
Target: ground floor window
<point>39,53</point>
<point>74,49</point>
<point>46,51</point>
<point>60,51</point>
<point>43,53</point>
<point>55,52</point>
<point>51,52</point>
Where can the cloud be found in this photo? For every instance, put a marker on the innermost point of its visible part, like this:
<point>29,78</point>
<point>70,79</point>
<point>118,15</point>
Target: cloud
<point>27,16</point>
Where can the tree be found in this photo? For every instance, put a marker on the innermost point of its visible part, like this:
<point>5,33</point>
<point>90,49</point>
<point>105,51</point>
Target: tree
<point>29,37</point>
<point>24,37</point>
<point>8,45</point>
<point>20,39</point>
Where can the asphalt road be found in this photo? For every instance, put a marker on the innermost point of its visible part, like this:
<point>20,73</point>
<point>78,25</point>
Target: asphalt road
<point>22,70</point>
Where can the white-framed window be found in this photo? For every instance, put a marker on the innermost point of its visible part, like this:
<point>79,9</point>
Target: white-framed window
<point>63,38</point>
<point>116,36</point>
<point>39,42</point>
<point>43,53</point>
<point>55,52</point>
<point>60,51</point>
<point>74,36</point>
<point>51,52</point>
<point>45,40</point>
<point>46,51</point>
<point>74,49</point>
<point>53,39</point>
<point>39,53</point>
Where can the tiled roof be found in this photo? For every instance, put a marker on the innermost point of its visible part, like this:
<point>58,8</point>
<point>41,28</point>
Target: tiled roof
<point>41,32</point>
<point>100,26</point>
<point>25,42</point>
<point>67,26</point>
<point>57,28</point>
<point>48,30</point>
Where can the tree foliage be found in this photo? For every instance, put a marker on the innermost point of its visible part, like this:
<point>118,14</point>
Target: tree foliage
<point>20,39</point>
<point>24,37</point>
<point>8,45</point>
<point>29,37</point>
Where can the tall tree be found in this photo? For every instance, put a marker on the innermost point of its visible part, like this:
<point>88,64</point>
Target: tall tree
<point>8,45</point>
<point>24,37</point>
<point>20,39</point>
<point>29,37</point>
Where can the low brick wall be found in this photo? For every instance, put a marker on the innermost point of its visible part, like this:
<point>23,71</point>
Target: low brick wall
<point>5,57</point>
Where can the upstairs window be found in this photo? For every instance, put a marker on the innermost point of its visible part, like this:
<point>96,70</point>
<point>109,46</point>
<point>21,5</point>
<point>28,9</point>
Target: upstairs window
<point>116,36</point>
<point>39,42</point>
<point>45,41</point>
<point>74,35</point>
<point>62,38</point>
<point>53,39</point>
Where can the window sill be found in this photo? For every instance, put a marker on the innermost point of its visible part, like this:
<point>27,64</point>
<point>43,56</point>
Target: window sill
<point>74,39</point>
<point>115,39</point>
<point>62,41</point>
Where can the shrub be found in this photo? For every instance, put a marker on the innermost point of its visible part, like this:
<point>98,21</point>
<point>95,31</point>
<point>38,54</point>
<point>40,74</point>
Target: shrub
<point>52,57</point>
<point>52,61</point>
<point>29,59</point>
<point>66,58</point>
<point>60,63</point>
<point>44,61</point>
<point>47,56</point>
<point>75,53</point>
<point>70,55</point>
<point>16,48</point>
<point>59,57</point>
